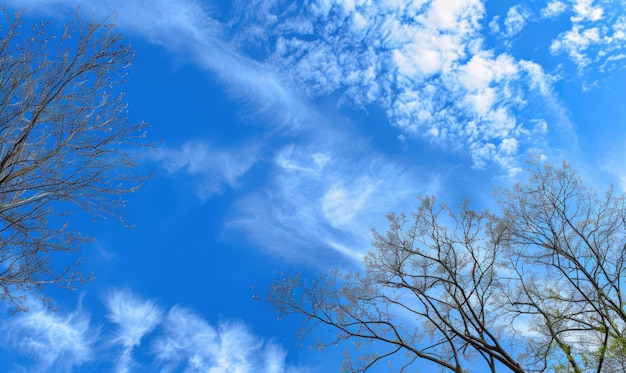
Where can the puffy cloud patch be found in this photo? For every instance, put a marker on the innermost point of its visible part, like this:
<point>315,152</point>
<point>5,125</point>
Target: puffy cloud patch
<point>585,10</point>
<point>516,19</point>
<point>416,60</point>
<point>553,9</point>
<point>597,37</point>
<point>405,56</point>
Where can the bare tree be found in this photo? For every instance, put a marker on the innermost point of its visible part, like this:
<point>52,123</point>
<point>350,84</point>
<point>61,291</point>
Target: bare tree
<point>567,253</point>
<point>535,288</point>
<point>64,144</point>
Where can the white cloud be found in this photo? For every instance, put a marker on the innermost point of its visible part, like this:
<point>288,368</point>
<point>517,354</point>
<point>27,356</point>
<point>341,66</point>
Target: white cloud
<point>214,167</point>
<point>188,341</point>
<point>516,19</point>
<point>424,63</point>
<point>597,37</point>
<point>324,198</point>
<point>54,342</point>
<point>585,10</point>
<point>134,318</point>
<point>575,43</point>
<point>483,70</point>
<point>494,25</point>
<point>406,60</point>
<point>375,183</point>
<point>416,60</point>
<point>553,9</point>
<point>180,338</point>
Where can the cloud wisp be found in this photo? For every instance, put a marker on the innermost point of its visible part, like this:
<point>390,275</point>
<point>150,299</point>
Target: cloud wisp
<point>213,167</point>
<point>190,342</point>
<point>188,29</point>
<point>134,318</point>
<point>175,340</point>
<point>324,196</point>
<point>54,342</point>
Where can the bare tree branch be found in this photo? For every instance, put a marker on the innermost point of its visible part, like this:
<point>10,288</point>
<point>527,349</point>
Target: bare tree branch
<point>65,144</point>
<point>536,288</point>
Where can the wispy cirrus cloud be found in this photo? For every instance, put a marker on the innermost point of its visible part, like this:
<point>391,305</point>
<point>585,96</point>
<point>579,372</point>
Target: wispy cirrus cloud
<point>324,197</point>
<point>189,29</point>
<point>190,343</point>
<point>134,318</point>
<point>213,167</point>
<point>176,340</point>
<point>52,341</point>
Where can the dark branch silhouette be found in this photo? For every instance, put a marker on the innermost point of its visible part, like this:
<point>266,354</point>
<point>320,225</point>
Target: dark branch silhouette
<point>64,146</point>
<point>535,288</point>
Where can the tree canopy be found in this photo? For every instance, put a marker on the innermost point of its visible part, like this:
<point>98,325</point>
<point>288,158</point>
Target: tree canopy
<point>64,146</point>
<point>536,287</point>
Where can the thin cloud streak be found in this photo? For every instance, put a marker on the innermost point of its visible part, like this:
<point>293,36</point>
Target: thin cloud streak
<point>186,28</point>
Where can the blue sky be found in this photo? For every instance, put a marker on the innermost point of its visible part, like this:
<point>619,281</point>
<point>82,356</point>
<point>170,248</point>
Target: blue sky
<point>289,130</point>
